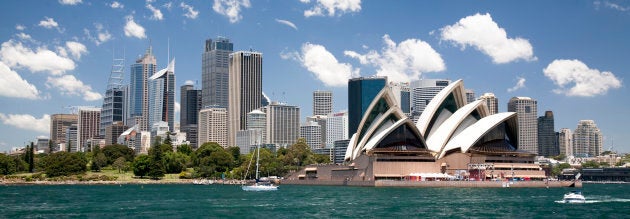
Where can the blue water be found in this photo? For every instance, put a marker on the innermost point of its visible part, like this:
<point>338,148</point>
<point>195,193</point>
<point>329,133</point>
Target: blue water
<point>221,201</point>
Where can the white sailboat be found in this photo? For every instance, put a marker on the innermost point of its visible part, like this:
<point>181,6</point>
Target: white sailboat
<point>259,185</point>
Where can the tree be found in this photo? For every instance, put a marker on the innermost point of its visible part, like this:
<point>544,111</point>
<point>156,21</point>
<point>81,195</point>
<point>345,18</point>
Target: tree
<point>168,140</point>
<point>120,163</point>
<point>557,169</point>
<point>184,149</point>
<point>211,160</point>
<point>51,146</point>
<point>7,165</point>
<point>115,151</point>
<point>98,161</point>
<point>299,154</point>
<point>590,164</point>
<point>65,164</point>
<point>321,158</point>
<point>156,165</point>
<point>31,159</point>
<point>174,162</point>
<point>141,165</point>
<point>68,146</point>
<point>236,154</point>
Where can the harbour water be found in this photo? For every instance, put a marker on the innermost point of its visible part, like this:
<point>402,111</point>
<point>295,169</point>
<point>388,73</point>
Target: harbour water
<point>293,201</point>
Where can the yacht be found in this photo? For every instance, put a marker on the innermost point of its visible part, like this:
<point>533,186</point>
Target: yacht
<point>574,197</point>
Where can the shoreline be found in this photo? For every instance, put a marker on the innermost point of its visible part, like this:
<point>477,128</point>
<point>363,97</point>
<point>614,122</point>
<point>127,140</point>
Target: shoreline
<point>131,182</point>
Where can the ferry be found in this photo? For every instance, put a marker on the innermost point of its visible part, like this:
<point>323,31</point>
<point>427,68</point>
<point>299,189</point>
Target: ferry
<point>574,197</point>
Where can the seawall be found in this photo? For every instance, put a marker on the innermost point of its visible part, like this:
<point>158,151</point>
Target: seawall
<point>437,184</point>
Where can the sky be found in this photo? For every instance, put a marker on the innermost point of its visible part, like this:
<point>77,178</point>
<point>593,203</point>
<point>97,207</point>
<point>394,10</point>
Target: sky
<point>571,56</point>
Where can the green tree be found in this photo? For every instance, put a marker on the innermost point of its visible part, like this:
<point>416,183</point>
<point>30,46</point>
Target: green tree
<point>120,164</point>
<point>590,164</point>
<point>51,146</point>
<point>31,158</point>
<point>7,165</point>
<point>168,140</point>
<point>211,160</point>
<point>65,164</point>
<point>68,146</point>
<point>184,149</point>
<point>98,161</point>
<point>236,153</point>
<point>604,164</point>
<point>141,165</point>
<point>175,162</point>
<point>115,151</point>
<point>156,165</point>
<point>299,154</point>
<point>557,169</point>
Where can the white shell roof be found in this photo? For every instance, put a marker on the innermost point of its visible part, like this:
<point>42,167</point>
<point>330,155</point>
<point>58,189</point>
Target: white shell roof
<point>432,107</point>
<point>440,137</point>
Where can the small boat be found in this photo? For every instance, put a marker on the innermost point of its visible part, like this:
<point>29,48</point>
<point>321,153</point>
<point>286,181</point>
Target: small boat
<point>261,184</point>
<point>574,197</point>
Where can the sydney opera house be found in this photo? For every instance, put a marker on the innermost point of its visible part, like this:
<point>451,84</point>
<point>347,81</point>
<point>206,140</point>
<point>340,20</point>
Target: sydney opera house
<point>452,140</point>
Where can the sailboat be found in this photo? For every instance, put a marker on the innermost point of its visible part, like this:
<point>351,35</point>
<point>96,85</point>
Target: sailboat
<point>260,184</point>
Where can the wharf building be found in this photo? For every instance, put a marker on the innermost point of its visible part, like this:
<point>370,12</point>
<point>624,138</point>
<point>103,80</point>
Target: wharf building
<point>452,139</point>
<point>527,110</point>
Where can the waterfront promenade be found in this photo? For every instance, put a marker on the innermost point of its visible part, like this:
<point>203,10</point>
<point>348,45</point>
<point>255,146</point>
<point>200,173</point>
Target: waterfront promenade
<point>438,184</point>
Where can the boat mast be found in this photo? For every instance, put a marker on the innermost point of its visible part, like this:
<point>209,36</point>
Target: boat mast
<point>257,159</point>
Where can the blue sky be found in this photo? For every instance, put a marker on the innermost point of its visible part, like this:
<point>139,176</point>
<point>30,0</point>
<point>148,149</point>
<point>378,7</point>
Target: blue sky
<point>570,56</point>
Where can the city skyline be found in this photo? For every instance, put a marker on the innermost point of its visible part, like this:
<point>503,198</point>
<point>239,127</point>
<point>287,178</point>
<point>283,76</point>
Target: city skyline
<point>50,60</point>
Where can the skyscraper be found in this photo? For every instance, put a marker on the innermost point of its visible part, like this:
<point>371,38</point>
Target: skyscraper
<point>213,126</point>
<point>71,144</point>
<point>587,139</point>
<point>190,106</point>
<point>547,144</point>
<point>215,72</point>
<point>336,128</point>
<point>139,90</point>
<point>113,131</point>
<point>59,124</point>
<point>245,89</point>
<point>87,126</point>
<point>492,102</point>
<point>565,141</point>
<point>402,91</point>
<point>470,96</point>
<point>422,92</point>
<point>257,120</point>
<point>361,92</point>
<point>283,124</point>
<point>311,132</point>
<point>322,103</point>
<point>162,96</point>
<point>114,101</point>
<point>526,109</point>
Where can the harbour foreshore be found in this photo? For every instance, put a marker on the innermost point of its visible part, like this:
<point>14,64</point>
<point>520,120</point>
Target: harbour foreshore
<point>119,182</point>
<point>438,184</point>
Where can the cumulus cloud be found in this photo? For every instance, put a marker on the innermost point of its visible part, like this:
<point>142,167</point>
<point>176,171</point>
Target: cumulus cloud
<point>330,7</point>
<point>323,64</point>
<point>116,5</point>
<point>485,35</point>
<point>189,82</point>
<point>12,85</point>
<point>190,11</point>
<point>133,29</point>
<point>48,23</point>
<point>168,5</point>
<point>15,54</point>
<point>519,84</point>
<point>70,2</point>
<point>157,14</point>
<point>402,62</point>
<point>231,8</point>
<point>20,27</point>
<point>27,122</point>
<point>288,23</point>
<point>611,5</point>
<point>23,36</point>
<point>101,37</point>
<point>581,80</point>
<point>71,86</point>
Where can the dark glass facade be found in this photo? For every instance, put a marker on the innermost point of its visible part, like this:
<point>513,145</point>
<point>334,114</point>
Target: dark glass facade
<point>361,92</point>
<point>547,145</point>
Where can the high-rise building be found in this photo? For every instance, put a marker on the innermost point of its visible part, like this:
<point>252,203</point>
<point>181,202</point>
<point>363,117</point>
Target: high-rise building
<point>361,92</point>
<point>245,89</point>
<point>87,126</point>
<point>113,131</point>
<point>215,72</point>
<point>257,120</point>
<point>470,96</point>
<point>283,124</point>
<point>213,126</point>
<point>547,144</point>
<point>247,139</point>
<point>339,150</point>
<point>42,144</point>
<point>402,92</point>
<point>190,106</point>
<point>336,128</point>
<point>322,103</point>
<point>492,102</point>
<point>71,138</point>
<point>565,141</point>
<point>311,132</point>
<point>139,90</point>
<point>526,109</point>
<point>321,121</point>
<point>422,92</point>
<point>59,124</point>
<point>587,139</point>
<point>114,101</point>
<point>162,96</point>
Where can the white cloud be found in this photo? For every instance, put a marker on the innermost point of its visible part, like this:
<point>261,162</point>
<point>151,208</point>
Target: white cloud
<point>14,54</point>
<point>481,32</point>
<point>615,6</point>
<point>69,85</point>
<point>23,36</point>
<point>102,35</point>
<point>231,8</point>
<point>20,27</point>
<point>168,5</point>
<point>76,49</point>
<point>586,82</point>
<point>133,29</point>
<point>27,122</point>
<point>12,84</point>
<point>323,64</point>
<point>157,14</point>
<point>190,11</point>
<point>48,23</point>
<point>116,4</point>
<point>70,2</point>
<point>403,62</point>
<point>330,7</point>
<point>189,82</point>
<point>519,84</point>
<point>288,23</point>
